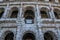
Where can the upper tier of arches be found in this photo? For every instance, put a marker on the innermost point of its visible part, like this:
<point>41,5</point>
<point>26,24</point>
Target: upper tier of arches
<point>33,0</point>
<point>30,12</point>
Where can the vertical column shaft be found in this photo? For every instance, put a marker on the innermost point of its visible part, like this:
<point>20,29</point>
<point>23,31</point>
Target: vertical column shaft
<point>19,25</point>
<point>6,11</point>
<point>53,13</point>
<point>41,35</point>
<point>38,23</point>
<point>38,15</point>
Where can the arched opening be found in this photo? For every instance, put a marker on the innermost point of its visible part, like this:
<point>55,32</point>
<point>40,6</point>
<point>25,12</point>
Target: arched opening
<point>6,0</point>
<point>51,1</point>
<point>1,12</point>
<point>44,13</point>
<point>9,36</point>
<point>14,12</point>
<point>49,36</point>
<point>29,16</point>
<point>57,13</point>
<point>41,0</point>
<point>28,36</point>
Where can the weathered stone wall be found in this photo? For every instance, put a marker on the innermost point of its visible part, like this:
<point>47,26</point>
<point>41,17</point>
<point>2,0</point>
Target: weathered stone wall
<point>40,26</point>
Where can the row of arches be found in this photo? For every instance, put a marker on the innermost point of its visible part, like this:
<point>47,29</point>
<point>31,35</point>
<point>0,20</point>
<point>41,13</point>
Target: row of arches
<point>31,0</point>
<point>52,1</point>
<point>49,0</point>
<point>12,13</point>
<point>30,36</point>
<point>29,13</point>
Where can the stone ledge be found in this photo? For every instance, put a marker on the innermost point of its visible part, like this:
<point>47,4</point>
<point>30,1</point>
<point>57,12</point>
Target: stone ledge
<point>7,21</point>
<point>8,25</point>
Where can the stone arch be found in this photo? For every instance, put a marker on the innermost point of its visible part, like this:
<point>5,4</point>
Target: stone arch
<point>29,14</point>
<point>51,0</point>
<point>44,12</point>
<point>1,12</point>
<point>8,35</point>
<point>29,35</point>
<point>56,13</point>
<point>28,8</point>
<point>13,12</point>
<point>41,0</point>
<point>6,0</point>
<point>49,35</point>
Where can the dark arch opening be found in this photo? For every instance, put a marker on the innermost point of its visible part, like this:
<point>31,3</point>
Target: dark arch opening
<point>28,36</point>
<point>14,14</point>
<point>29,16</point>
<point>48,36</point>
<point>1,12</point>
<point>56,15</point>
<point>9,36</point>
<point>50,0</point>
<point>29,13</point>
<point>40,0</point>
<point>44,14</point>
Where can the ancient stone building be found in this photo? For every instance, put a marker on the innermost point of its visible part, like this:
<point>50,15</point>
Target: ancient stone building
<point>29,19</point>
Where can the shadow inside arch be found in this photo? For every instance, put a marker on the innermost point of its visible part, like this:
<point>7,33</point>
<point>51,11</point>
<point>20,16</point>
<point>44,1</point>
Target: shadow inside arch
<point>28,36</point>
<point>8,35</point>
<point>49,35</point>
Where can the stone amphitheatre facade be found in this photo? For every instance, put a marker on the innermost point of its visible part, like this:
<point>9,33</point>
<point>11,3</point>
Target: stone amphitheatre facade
<point>29,19</point>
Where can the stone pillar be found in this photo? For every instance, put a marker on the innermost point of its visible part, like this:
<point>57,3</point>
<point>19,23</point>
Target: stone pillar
<point>18,37</point>
<point>38,15</point>
<point>0,36</point>
<point>38,23</point>
<point>58,33</point>
<point>22,14</point>
<point>37,37</point>
<point>41,36</point>
<point>19,26</point>
<point>52,13</point>
<point>6,11</point>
